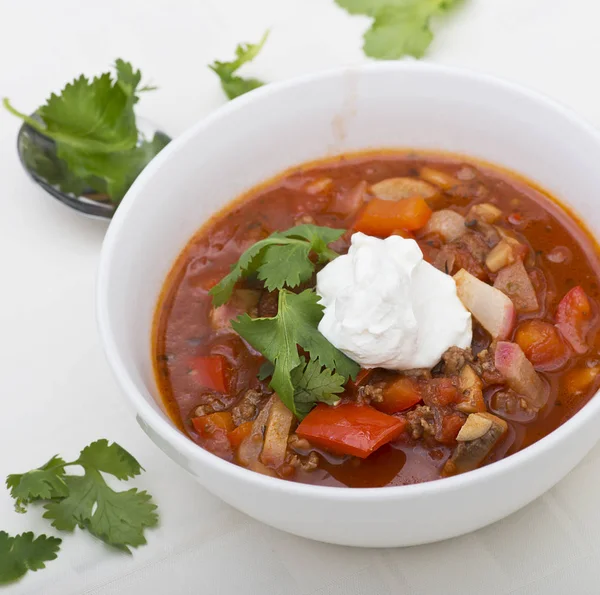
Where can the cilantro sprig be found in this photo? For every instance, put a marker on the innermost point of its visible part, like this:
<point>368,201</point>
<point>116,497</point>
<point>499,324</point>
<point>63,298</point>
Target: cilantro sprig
<point>234,85</point>
<point>87,501</point>
<point>25,552</point>
<point>287,259</point>
<point>400,27</point>
<point>93,126</point>
<point>298,384</point>
<point>282,259</point>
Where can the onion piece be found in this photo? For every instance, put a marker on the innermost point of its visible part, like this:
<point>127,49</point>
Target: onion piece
<point>520,374</point>
<point>514,281</point>
<point>494,310</point>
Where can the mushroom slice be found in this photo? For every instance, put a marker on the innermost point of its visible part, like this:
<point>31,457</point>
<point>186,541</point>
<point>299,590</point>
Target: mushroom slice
<point>470,453</point>
<point>401,188</point>
<point>471,388</point>
<point>439,178</point>
<point>449,225</point>
<point>475,427</point>
<point>252,445</point>
<point>277,432</point>
<point>484,212</point>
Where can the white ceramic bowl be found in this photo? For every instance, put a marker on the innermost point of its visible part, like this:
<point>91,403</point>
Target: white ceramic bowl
<point>258,136</point>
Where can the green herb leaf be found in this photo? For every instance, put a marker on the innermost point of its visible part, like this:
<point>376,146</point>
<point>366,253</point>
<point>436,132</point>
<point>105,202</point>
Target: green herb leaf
<point>24,552</point>
<point>87,501</point>
<point>233,85</point>
<point>110,458</point>
<point>93,124</point>
<point>45,483</point>
<point>117,518</point>
<point>129,79</point>
<point>313,384</point>
<point>112,173</point>
<point>282,259</point>
<point>278,339</point>
<point>266,370</point>
<point>400,28</point>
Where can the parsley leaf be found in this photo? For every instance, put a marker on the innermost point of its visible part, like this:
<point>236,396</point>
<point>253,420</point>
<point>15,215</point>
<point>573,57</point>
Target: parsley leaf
<point>97,144</point>
<point>112,173</point>
<point>87,501</point>
<point>234,85</point>
<point>44,483</point>
<point>129,79</point>
<point>282,259</point>
<point>278,338</point>
<point>110,458</point>
<point>117,518</point>
<point>400,27</point>
<point>24,552</point>
<point>312,384</point>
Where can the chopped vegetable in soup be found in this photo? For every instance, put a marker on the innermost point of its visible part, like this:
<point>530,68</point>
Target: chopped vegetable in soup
<point>257,353</point>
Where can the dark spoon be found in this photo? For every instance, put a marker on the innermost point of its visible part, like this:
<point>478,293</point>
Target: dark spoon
<point>38,157</point>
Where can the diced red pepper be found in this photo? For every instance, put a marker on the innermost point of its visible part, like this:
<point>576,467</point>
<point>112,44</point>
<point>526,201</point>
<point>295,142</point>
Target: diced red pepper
<point>362,376</point>
<point>237,436</point>
<point>384,217</point>
<point>350,429</point>
<point>446,391</point>
<point>214,432</point>
<point>574,318</point>
<point>400,395</point>
<point>209,371</point>
<point>542,344</point>
<point>451,425</point>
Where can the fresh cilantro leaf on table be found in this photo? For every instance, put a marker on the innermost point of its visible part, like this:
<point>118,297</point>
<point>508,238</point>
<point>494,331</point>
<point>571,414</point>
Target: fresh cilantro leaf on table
<point>278,338</point>
<point>313,383</point>
<point>24,552</point>
<point>400,27</point>
<point>87,501</point>
<point>45,483</point>
<point>93,126</point>
<point>234,85</point>
<point>282,259</point>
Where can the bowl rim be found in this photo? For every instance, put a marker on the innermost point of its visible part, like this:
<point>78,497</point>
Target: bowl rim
<point>182,443</point>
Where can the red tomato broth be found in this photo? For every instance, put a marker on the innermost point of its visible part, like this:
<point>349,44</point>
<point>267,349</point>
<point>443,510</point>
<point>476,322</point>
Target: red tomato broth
<point>182,329</point>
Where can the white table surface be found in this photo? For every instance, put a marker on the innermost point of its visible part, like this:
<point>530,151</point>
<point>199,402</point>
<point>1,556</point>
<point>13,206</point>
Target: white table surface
<point>58,393</point>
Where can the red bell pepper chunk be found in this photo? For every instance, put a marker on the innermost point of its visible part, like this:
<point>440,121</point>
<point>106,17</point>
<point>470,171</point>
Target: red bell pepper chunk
<point>214,430</point>
<point>350,429</point>
<point>574,318</point>
<point>400,395</point>
<point>385,217</point>
<point>209,371</point>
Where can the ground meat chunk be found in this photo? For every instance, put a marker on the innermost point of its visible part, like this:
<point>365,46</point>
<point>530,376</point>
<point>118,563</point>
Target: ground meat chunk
<point>308,463</point>
<point>486,368</point>
<point>420,422</point>
<point>210,402</point>
<point>247,407</point>
<point>419,373</point>
<point>467,252</point>
<point>370,393</point>
<point>475,244</point>
<point>268,304</point>
<point>455,360</point>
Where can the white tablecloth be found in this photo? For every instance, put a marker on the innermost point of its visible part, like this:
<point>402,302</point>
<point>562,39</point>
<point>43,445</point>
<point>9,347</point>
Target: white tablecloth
<point>58,393</point>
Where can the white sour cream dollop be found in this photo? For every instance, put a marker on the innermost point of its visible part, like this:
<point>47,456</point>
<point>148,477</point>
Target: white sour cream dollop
<point>386,307</point>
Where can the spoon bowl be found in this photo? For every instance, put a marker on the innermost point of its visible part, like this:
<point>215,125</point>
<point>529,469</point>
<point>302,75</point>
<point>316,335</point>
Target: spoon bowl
<point>38,157</point>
